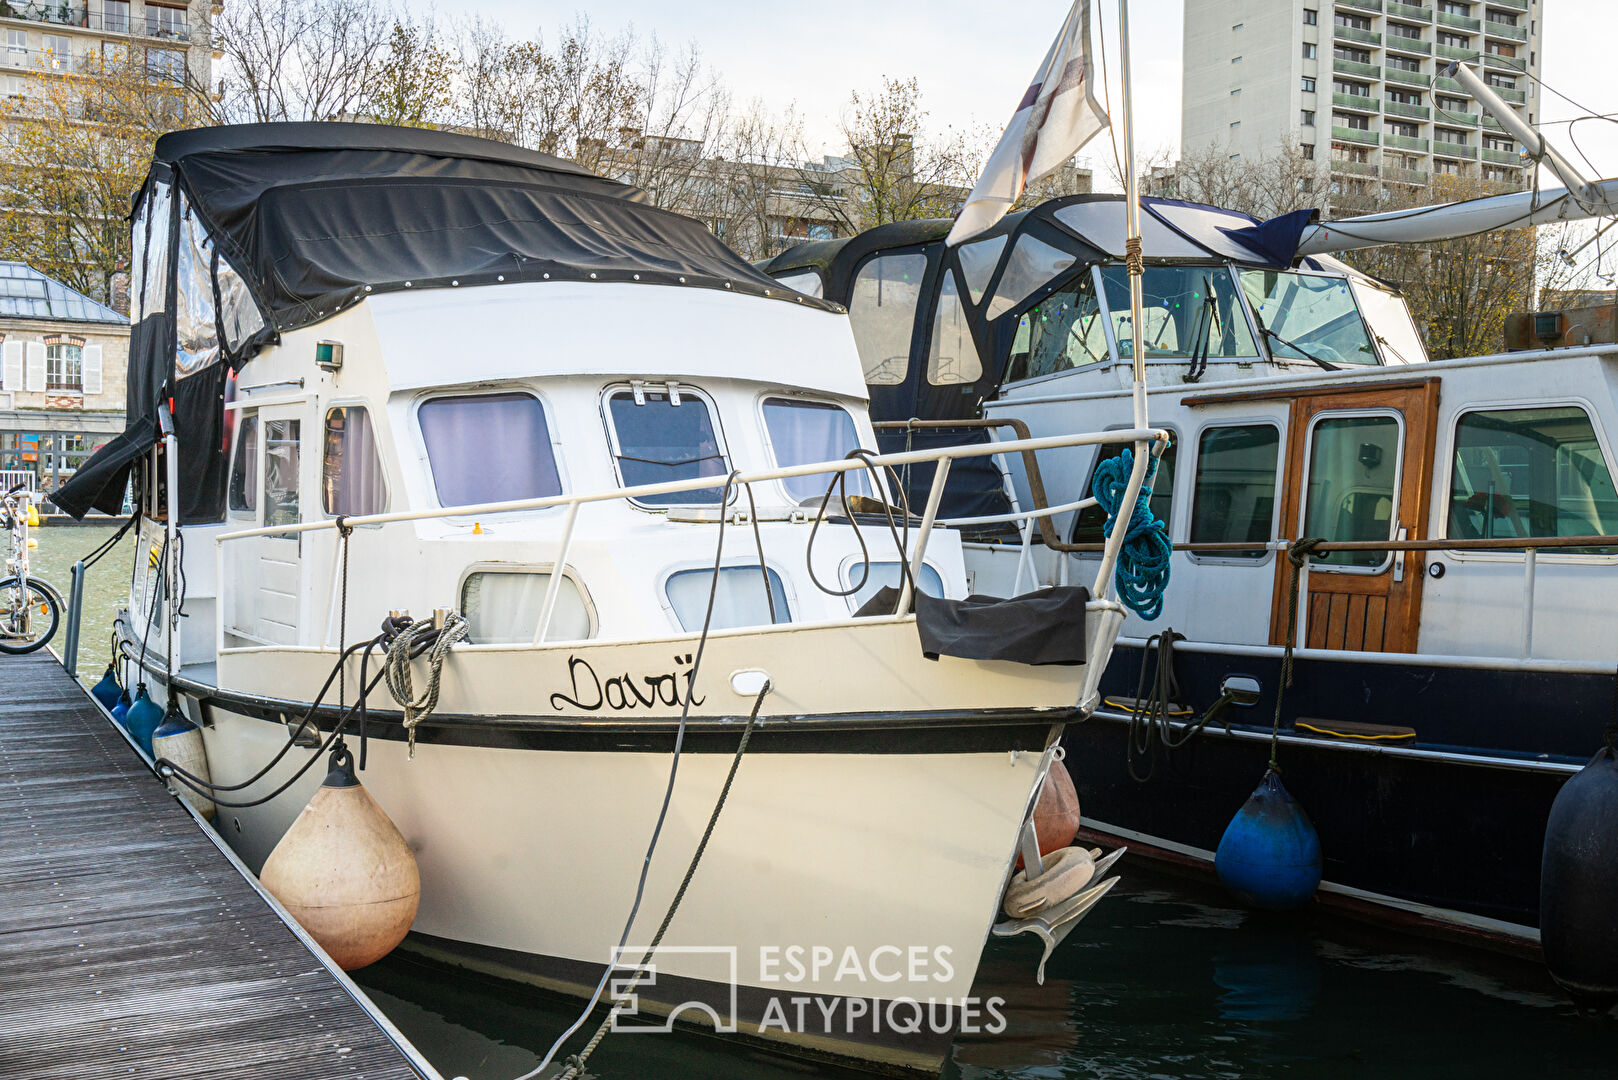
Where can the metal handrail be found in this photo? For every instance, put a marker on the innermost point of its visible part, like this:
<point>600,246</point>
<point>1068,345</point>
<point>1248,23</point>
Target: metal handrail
<point>1141,438</point>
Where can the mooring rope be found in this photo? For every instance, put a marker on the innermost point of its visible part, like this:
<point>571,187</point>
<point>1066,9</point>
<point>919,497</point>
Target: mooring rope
<point>396,668</point>
<point>1297,555</point>
<point>1142,571</point>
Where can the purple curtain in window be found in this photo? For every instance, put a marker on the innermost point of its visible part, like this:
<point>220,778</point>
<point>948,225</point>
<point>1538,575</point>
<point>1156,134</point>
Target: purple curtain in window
<point>806,432</point>
<point>488,448</point>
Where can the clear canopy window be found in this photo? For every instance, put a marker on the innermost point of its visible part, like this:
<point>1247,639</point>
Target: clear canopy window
<point>978,260</point>
<point>1309,316</point>
<point>1530,472</point>
<point>661,438</point>
<point>882,307</point>
<point>1092,519</point>
<point>807,432</point>
<point>351,480</point>
<point>1234,497</point>
<point>739,600</point>
<point>1353,485</point>
<point>488,448</point>
<point>1064,330</point>
<point>502,607</point>
<point>804,281</point>
<point>952,355</point>
<point>1033,263</point>
<point>1189,311</point>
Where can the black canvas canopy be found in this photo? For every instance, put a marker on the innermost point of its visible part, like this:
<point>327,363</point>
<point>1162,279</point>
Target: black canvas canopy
<point>243,233</point>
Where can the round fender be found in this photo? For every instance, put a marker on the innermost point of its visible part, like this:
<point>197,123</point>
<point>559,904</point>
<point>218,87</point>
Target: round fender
<point>1066,872</point>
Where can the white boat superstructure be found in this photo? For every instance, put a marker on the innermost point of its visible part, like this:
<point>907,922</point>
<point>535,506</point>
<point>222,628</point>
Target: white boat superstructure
<point>604,458</point>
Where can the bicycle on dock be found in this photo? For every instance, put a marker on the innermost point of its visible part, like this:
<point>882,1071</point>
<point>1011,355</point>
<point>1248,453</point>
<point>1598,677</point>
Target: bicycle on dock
<point>30,609</point>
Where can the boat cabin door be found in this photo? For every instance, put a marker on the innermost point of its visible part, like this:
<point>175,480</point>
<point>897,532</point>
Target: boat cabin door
<point>1359,467</point>
<point>264,576</point>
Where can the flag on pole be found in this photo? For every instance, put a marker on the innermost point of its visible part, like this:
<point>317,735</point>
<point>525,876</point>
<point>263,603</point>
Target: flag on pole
<point>1057,116</point>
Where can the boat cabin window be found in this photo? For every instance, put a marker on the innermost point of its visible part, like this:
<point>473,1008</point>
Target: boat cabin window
<point>502,608</point>
<point>807,432</point>
<point>1189,311</point>
<point>1530,472</point>
<point>281,457</point>
<point>739,599</point>
<point>886,575</point>
<point>351,481</point>
<point>244,472</point>
<point>1233,500</point>
<point>1064,330</point>
<point>1032,265</point>
<point>1092,520</point>
<point>1353,485</point>
<point>804,281</point>
<point>662,436</point>
<point>1312,316</point>
<point>488,448</point>
<point>882,308</point>
<point>952,355</point>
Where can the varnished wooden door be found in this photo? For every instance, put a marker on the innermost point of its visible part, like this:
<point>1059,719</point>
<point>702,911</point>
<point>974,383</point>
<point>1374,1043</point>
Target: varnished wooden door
<point>1359,467</point>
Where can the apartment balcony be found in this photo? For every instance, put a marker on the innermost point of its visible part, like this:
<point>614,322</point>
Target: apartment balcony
<point>42,62</point>
<point>1408,78</point>
<point>1469,119</point>
<point>1395,175</point>
<point>1354,135</point>
<point>1354,34</point>
<point>1356,102</point>
<point>1400,43</point>
<point>1410,11</point>
<point>1353,168</point>
<point>1441,83</point>
<point>1399,108</point>
<point>60,14</point>
<point>1501,30</point>
<point>1450,52</point>
<point>1453,150</point>
<point>1515,5</point>
<point>1372,6</point>
<point>1354,67</point>
<point>1459,22</point>
<point>1516,97</point>
<point>1502,157</point>
<point>1513,64</point>
<point>157,23</point>
<point>1404,142</point>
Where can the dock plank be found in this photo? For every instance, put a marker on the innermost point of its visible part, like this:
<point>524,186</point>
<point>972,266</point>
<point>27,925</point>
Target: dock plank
<point>132,946</point>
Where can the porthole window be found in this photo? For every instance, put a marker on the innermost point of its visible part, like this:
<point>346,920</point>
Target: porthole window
<point>740,598</point>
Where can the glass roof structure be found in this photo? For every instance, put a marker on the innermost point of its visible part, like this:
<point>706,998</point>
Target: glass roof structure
<point>25,293</point>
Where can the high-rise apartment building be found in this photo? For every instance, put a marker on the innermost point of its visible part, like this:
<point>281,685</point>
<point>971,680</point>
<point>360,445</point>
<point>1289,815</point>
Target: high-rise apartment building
<point>1358,82</point>
<point>57,39</point>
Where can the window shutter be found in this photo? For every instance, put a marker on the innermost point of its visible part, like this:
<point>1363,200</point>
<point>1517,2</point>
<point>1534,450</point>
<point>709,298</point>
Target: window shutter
<point>90,365</point>
<point>36,367</point>
<point>12,369</point>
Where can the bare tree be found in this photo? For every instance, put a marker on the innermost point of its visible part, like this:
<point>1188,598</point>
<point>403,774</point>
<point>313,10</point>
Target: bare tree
<point>411,83</point>
<point>297,59</point>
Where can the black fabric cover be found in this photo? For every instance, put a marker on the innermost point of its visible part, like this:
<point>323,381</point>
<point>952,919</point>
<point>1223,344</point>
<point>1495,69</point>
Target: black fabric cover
<point>100,482</point>
<point>974,486</point>
<point>1044,627</point>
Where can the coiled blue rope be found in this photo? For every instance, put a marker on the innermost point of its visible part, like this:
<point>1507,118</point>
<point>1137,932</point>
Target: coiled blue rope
<point>1142,573</point>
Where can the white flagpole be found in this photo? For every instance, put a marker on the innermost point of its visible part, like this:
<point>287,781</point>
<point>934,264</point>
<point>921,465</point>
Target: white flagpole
<point>1137,320</point>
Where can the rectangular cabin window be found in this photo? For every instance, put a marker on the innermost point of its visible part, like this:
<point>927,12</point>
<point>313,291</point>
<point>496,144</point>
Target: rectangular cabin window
<point>806,432</point>
<point>661,438</point>
<point>244,473</point>
<point>488,448</point>
<point>281,457</point>
<point>502,607</point>
<point>882,307</point>
<point>1233,500</point>
<point>1087,529</point>
<point>351,481</point>
<point>1189,311</point>
<point>1528,473</point>
<point>1308,316</point>
<point>739,599</point>
<point>1353,485</point>
<point>886,575</point>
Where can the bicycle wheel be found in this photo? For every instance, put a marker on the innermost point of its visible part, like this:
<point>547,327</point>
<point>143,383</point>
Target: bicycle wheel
<point>28,621</point>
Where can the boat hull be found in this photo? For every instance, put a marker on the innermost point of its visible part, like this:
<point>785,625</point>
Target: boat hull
<point>888,842</point>
<point>1444,830</point>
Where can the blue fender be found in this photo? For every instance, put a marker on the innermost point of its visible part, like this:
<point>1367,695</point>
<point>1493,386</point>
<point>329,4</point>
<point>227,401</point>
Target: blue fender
<point>1269,856</point>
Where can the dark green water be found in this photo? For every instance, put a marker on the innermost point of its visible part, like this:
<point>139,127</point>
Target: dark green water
<point>1166,979</point>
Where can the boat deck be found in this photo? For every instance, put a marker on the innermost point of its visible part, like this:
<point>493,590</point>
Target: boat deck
<point>134,944</point>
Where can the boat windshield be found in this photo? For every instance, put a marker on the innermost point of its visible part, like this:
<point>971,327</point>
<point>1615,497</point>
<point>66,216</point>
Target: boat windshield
<point>1189,311</point>
<point>1309,317</point>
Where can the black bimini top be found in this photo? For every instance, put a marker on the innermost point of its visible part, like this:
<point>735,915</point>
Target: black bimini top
<point>315,215</point>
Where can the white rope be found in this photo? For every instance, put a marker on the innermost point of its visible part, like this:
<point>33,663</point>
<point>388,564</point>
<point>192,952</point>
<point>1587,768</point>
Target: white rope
<point>396,668</point>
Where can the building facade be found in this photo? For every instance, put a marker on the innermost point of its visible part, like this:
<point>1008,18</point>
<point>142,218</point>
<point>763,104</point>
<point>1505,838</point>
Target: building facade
<point>48,39</point>
<point>63,365</point>
<point>1357,84</point>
